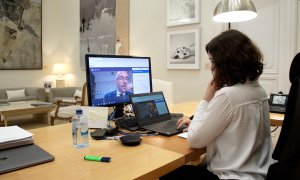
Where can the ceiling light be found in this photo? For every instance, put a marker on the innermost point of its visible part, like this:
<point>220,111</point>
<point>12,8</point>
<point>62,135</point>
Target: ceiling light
<point>234,11</point>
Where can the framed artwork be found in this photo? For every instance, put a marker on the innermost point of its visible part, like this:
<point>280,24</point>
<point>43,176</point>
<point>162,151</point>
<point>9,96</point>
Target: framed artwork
<point>21,34</point>
<point>183,49</point>
<point>97,28</point>
<point>181,12</point>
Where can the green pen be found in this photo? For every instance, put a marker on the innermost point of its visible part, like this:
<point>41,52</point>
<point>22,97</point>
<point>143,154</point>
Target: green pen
<point>97,158</point>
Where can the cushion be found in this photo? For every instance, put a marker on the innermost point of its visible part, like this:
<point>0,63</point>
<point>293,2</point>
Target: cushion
<point>15,93</point>
<point>78,93</point>
<point>66,112</point>
<point>27,98</point>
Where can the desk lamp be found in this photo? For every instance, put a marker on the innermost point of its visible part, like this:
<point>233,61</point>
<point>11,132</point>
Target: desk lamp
<point>60,70</point>
<point>234,11</point>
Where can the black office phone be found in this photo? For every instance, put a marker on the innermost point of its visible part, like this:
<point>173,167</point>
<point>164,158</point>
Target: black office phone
<point>277,102</point>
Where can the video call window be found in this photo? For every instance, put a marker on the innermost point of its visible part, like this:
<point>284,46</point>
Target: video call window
<point>111,79</point>
<point>107,81</point>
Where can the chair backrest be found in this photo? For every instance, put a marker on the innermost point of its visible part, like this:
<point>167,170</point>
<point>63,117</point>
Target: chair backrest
<point>84,100</point>
<point>287,150</point>
<point>166,87</point>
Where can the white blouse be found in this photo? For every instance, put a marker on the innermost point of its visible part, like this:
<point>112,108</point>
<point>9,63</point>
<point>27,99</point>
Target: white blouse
<point>235,128</point>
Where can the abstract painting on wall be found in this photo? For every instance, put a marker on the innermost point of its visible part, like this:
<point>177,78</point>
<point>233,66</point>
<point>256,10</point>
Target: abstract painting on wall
<point>20,34</point>
<point>97,28</point>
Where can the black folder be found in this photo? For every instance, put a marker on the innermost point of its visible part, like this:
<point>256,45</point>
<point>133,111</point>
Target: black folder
<point>23,156</point>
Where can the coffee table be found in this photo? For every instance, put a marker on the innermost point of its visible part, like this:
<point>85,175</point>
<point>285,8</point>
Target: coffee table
<point>40,110</point>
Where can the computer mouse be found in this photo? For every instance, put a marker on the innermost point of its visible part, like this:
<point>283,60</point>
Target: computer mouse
<point>131,139</point>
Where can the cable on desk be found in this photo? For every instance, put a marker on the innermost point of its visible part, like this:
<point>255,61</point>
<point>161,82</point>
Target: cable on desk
<point>122,133</point>
<point>274,129</point>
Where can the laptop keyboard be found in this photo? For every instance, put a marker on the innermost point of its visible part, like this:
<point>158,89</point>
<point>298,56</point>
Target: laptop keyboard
<point>277,109</point>
<point>169,126</point>
<point>128,123</point>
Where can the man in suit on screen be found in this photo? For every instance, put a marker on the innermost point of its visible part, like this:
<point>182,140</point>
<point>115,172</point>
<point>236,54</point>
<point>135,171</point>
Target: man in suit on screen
<point>123,87</point>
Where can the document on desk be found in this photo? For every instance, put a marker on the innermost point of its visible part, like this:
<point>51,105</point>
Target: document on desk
<point>183,135</point>
<point>97,116</point>
<point>13,136</point>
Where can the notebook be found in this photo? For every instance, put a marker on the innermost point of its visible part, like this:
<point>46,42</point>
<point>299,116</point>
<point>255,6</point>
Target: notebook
<point>22,157</point>
<point>152,113</point>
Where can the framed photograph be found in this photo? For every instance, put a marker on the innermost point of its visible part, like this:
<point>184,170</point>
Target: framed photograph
<point>21,35</point>
<point>183,49</point>
<point>181,12</point>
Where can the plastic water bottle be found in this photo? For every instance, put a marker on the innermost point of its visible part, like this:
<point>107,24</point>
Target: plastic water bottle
<point>80,130</point>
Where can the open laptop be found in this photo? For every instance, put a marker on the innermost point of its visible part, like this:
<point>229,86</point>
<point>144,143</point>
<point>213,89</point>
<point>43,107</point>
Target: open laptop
<point>22,157</point>
<point>152,113</point>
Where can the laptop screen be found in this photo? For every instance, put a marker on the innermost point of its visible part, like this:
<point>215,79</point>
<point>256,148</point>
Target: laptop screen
<point>150,108</point>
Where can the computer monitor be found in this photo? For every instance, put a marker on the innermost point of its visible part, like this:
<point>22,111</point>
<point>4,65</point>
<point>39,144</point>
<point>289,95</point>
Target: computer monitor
<point>112,78</point>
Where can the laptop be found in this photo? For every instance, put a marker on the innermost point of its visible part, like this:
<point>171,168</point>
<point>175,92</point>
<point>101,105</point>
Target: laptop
<point>21,157</point>
<point>152,113</point>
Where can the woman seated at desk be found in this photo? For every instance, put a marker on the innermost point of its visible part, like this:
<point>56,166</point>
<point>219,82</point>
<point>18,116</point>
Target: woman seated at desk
<point>232,119</point>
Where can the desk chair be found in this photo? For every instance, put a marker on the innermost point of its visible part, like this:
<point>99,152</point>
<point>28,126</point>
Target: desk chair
<point>166,87</point>
<point>287,150</point>
<point>66,109</point>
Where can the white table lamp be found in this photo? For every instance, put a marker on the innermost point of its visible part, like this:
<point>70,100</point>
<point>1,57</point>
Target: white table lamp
<point>60,70</point>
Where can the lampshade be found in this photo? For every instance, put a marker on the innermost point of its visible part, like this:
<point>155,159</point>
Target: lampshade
<point>234,11</point>
<point>59,69</point>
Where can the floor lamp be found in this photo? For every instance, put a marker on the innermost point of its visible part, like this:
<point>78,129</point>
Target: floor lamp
<point>234,11</point>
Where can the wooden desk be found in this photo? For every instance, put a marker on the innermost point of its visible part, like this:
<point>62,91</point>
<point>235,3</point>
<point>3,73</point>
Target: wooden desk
<point>276,119</point>
<point>188,108</point>
<point>139,162</point>
<point>155,157</point>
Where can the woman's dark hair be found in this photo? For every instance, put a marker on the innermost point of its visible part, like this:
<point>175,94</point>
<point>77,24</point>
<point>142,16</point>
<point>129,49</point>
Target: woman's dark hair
<point>235,58</point>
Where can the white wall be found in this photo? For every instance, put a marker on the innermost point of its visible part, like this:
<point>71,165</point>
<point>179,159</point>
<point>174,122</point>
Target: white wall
<point>274,32</point>
<point>60,41</point>
<point>148,38</point>
<point>298,27</point>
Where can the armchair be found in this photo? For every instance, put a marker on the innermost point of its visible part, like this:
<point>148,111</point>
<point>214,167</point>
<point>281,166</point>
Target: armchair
<point>65,109</point>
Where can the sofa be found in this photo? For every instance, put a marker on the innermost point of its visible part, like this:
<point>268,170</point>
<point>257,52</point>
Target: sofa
<point>22,94</point>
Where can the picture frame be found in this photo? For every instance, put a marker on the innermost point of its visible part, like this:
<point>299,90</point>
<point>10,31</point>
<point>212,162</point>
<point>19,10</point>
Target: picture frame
<point>97,28</point>
<point>182,12</point>
<point>183,49</point>
<point>21,35</point>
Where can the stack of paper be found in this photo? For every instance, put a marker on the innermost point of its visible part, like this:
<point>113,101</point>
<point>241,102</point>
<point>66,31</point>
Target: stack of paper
<point>13,136</point>
<point>97,116</point>
<point>183,135</point>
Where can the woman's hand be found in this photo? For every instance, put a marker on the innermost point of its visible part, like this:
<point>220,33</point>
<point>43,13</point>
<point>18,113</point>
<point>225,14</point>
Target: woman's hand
<point>183,121</point>
<point>210,91</point>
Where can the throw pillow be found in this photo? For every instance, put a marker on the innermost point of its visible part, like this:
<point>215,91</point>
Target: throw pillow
<point>15,94</point>
<point>78,93</point>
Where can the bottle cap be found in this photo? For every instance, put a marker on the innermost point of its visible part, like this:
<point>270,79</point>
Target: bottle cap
<point>78,111</point>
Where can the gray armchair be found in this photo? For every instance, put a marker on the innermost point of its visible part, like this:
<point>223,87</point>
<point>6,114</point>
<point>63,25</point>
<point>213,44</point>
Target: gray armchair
<point>62,94</point>
<point>65,108</point>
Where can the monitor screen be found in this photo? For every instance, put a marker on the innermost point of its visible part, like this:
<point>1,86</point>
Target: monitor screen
<point>111,79</point>
<point>279,99</point>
